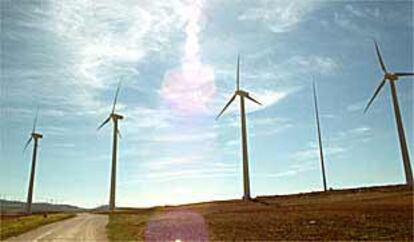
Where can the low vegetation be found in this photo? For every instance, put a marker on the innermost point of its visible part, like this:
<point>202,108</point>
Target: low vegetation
<point>381,213</point>
<point>12,225</point>
<point>127,225</point>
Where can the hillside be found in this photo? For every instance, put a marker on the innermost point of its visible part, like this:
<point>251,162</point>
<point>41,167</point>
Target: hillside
<point>7,206</point>
<point>377,213</point>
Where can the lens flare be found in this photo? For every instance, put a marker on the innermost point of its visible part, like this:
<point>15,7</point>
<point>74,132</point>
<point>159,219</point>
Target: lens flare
<point>177,225</point>
<point>189,87</point>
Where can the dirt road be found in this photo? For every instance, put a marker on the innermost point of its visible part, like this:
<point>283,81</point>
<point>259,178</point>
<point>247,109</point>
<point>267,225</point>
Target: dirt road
<point>84,227</point>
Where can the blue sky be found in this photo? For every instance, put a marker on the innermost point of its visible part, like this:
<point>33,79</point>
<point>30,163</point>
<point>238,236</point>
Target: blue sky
<point>177,63</point>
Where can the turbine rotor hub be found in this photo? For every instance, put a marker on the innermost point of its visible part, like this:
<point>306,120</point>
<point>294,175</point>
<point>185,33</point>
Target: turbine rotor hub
<point>117,116</point>
<point>37,135</point>
<point>391,76</point>
<point>242,93</point>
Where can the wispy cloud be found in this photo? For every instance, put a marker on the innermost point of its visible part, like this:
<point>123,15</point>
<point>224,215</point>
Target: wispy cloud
<point>268,98</point>
<point>362,19</point>
<point>362,133</point>
<point>315,64</point>
<point>63,145</point>
<point>293,170</point>
<point>89,46</point>
<point>363,12</point>
<point>105,47</point>
<point>185,167</point>
<point>278,16</point>
<point>312,153</point>
<point>144,117</point>
<point>187,137</point>
<point>357,106</point>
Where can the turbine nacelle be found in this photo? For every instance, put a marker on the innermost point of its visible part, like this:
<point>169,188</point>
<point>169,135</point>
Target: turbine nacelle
<point>238,91</point>
<point>37,136</point>
<point>391,76</point>
<point>388,76</point>
<point>116,116</point>
<point>33,134</point>
<point>242,93</point>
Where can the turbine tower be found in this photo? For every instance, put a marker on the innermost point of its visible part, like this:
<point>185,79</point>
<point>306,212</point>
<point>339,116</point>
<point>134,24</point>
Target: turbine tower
<point>392,78</point>
<point>33,136</point>
<point>114,117</point>
<point>315,99</point>
<point>242,94</point>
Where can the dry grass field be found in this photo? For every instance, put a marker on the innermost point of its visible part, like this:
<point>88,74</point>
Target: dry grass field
<point>377,213</point>
<point>11,225</point>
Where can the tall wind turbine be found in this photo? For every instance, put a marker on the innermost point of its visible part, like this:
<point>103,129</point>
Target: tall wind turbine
<point>242,94</point>
<point>114,117</point>
<point>392,78</point>
<point>33,136</point>
<point>315,99</point>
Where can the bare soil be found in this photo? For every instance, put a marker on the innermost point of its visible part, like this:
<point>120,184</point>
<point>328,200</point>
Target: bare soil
<point>377,213</point>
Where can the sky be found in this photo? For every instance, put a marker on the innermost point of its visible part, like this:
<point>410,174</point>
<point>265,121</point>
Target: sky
<point>177,63</point>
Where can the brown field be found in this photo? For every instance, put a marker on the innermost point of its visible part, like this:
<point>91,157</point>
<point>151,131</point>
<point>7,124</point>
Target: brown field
<point>15,224</point>
<point>377,213</point>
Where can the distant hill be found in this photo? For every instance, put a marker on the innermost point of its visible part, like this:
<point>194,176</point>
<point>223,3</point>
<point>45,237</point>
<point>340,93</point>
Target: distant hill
<point>101,208</point>
<point>7,206</point>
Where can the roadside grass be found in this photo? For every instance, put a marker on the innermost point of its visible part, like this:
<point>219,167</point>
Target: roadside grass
<point>15,225</point>
<point>129,225</point>
<point>367,214</point>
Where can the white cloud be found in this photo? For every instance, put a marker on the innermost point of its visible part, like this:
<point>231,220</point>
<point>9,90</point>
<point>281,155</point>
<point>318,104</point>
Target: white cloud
<point>315,64</point>
<point>313,153</point>
<point>273,126</point>
<point>160,125</point>
<point>234,142</point>
<point>100,42</point>
<point>363,12</point>
<point>266,97</point>
<point>358,19</point>
<point>293,170</point>
<point>63,145</point>
<point>76,50</point>
<point>269,121</point>
<point>143,117</point>
<point>172,162</point>
<point>185,137</point>
<point>193,166</point>
<point>362,133</point>
<point>278,16</point>
<point>358,106</point>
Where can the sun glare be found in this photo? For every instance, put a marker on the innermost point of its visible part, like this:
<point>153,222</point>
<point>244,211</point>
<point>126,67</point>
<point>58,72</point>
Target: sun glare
<point>189,87</point>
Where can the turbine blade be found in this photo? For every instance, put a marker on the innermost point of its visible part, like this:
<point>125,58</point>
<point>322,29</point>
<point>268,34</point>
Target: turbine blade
<point>375,94</point>
<point>119,133</point>
<point>254,100</point>
<point>27,143</point>
<point>116,96</point>
<point>380,57</point>
<point>315,100</point>
<point>404,73</point>
<point>238,73</point>
<point>227,105</point>
<point>104,122</point>
<point>35,120</point>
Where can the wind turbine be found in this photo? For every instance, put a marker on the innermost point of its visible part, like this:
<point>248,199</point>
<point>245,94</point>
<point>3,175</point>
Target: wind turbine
<point>242,94</point>
<point>33,136</point>
<point>392,77</point>
<point>114,117</point>
<point>315,99</point>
